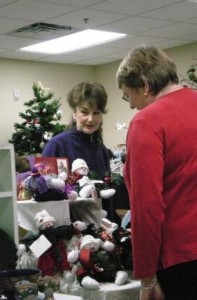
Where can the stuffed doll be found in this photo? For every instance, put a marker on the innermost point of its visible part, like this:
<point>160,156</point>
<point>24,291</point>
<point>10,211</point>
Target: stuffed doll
<point>94,265</point>
<point>79,184</point>
<point>54,259</point>
<point>43,186</point>
<point>123,249</point>
<point>108,227</point>
<point>122,240</point>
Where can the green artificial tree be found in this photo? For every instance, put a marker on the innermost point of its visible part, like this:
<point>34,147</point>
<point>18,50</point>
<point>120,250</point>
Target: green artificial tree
<point>41,122</point>
<point>192,74</point>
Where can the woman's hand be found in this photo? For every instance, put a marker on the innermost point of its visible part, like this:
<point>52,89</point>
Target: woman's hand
<point>153,294</point>
<point>150,289</point>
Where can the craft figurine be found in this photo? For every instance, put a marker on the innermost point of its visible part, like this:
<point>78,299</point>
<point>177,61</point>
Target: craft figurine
<point>43,186</point>
<point>54,259</point>
<point>122,239</point>
<point>123,249</point>
<point>94,264</point>
<point>79,184</point>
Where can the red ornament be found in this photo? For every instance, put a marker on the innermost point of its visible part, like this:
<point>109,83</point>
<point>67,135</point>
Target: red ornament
<point>108,179</point>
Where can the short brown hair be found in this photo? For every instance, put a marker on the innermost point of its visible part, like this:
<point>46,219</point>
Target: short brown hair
<point>147,63</point>
<point>95,95</point>
<point>92,92</point>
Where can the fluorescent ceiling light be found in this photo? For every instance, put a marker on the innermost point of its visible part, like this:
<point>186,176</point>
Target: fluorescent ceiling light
<point>74,42</point>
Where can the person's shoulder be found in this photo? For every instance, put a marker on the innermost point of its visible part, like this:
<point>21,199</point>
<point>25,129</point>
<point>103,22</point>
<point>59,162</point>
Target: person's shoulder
<point>62,135</point>
<point>149,117</point>
<point>154,110</point>
<point>145,113</point>
<point>162,109</point>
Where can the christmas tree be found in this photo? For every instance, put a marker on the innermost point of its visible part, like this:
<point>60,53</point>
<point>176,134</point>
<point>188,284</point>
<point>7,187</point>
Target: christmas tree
<point>192,74</point>
<point>41,122</point>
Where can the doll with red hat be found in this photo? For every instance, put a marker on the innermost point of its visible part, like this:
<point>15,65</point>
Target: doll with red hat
<point>78,183</point>
<point>94,265</point>
<point>54,259</point>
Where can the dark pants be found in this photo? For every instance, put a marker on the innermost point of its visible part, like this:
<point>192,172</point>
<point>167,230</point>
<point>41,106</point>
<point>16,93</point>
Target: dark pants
<point>179,282</point>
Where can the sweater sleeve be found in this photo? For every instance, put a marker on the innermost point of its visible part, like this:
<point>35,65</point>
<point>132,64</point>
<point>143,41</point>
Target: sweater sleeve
<point>144,178</point>
<point>55,148</point>
<point>50,149</point>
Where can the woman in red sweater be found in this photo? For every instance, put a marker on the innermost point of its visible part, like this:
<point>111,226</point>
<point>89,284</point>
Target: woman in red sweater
<point>161,175</point>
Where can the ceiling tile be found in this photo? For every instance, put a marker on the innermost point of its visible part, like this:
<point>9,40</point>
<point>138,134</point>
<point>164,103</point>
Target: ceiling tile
<point>134,25</point>
<point>179,30</point>
<point>11,24</point>
<point>94,18</point>
<point>33,10</point>
<point>164,23</point>
<point>132,7</point>
<point>185,10</point>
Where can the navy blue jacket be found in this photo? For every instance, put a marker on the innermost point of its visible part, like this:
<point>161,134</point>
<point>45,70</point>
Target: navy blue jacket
<point>76,144</point>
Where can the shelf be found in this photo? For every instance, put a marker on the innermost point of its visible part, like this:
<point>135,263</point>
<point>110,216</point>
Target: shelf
<point>8,199</point>
<point>6,194</point>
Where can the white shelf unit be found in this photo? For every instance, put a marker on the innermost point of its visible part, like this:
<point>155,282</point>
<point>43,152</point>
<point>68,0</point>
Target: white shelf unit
<point>8,196</point>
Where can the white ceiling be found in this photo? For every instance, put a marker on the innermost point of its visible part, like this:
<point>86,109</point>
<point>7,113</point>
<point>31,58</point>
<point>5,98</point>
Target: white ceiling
<point>164,23</point>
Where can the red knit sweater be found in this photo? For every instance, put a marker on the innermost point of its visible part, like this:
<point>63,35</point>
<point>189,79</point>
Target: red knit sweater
<point>161,177</point>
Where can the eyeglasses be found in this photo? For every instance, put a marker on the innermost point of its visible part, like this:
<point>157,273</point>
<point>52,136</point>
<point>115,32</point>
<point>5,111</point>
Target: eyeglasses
<point>125,98</point>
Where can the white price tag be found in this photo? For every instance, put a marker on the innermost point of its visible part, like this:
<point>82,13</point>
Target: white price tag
<point>40,246</point>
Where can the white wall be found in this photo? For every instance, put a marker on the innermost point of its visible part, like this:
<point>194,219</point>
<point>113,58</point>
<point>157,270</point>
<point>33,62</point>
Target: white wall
<point>184,57</point>
<point>20,75</point>
<point>118,109</point>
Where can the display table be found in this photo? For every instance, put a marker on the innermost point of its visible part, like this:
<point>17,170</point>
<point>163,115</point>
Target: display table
<point>87,210</point>
<point>58,296</point>
<point>91,211</point>
<point>65,297</point>
<point>108,291</point>
<point>27,209</point>
<point>130,291</point>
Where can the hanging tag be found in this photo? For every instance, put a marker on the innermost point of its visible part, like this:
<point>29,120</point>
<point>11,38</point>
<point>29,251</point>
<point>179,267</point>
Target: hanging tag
<point>40,246</point>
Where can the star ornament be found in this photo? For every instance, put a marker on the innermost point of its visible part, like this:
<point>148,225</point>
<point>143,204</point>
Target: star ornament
<point>120,126</point>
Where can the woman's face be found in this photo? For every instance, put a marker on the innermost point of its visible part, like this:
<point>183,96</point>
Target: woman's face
<point>88,118</point>
<point>138,98</point>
